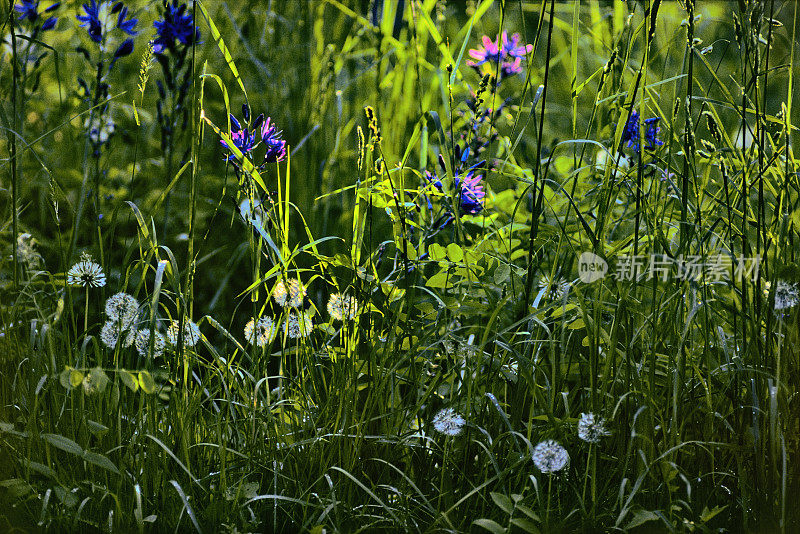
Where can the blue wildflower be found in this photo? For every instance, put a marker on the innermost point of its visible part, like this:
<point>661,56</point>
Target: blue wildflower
<point>470,189</point>
<point>178,25</point>
<point>242,138</point>
<point>30,11</point>
<point>276,147</point>
<point>98,19</point>
<point>631,132</point>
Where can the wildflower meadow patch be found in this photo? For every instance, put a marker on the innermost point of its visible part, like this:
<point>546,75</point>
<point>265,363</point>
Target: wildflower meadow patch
<point>399,266</point>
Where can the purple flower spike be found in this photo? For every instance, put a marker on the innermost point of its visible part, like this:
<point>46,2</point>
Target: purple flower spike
<point>631,132</point>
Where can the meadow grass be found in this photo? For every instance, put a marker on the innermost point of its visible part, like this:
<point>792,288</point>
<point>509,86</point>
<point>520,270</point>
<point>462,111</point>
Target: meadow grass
<point>544,282</point>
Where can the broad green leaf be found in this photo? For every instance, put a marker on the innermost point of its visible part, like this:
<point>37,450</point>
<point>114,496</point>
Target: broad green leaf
<point>100,461</point>
<point>490,525</point>
<point>65,444</point>
<point>146,382</point>
<point>503,502</point>
<point>454,252</point>
<point>129,379</point>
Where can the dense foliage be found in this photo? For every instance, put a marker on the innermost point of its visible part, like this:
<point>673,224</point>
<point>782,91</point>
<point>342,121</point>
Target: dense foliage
<point>399,265</point>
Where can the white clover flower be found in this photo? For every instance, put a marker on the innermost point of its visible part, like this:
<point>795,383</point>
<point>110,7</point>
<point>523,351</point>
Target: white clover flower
<point>86,273</point>
<point>342,306</point>
<point>143,343</point>
<point>448,422</point>
<point>591,428</point>
<point>289,294</point>
<point>298,325</point>
<point>786,295</point>
<point>110,335</point>
<point>121,308</point>
<point>549,456</point>
<point>261,332</point>
<point>191,333</point>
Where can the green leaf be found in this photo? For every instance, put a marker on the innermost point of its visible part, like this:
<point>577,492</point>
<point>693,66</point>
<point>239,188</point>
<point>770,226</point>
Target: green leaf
<point>455,253</point>
<point>100,461</point>
<point>65,444</point>
<point>146,382</point>
<point>527,511</point>
<point>503,502</point>
<point>129,379</point>
<point>491,526</point>
<point>526,525</point>
<point>707,515</point>
<point>640,517</point>
<point>436,252</point>
<point>501,273</point>
<point>438,280</point>
<point>98,429</point>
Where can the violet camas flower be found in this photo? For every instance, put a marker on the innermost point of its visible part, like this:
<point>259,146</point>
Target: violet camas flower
<point>276,147</point>
<point>30,11</point>
<point>99,19</point>
<point>246,139</point>
<point>176,25</point>
<point>631,132</point>
<point>468,185</point>
<point>507,53</point>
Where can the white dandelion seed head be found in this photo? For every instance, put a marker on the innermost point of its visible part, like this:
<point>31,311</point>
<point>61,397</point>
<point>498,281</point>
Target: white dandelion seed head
<point>549,456</point>
<point>592,428</point>
<point>557,288</point>
<point>110,334</point>
<point>786,295</point>
<point>191,333</point>
<point>261,332</point>
<point>121,308</point>
<point>26,253</point>
<point>289,293</point>
<point>143,343</point>
<point>86,273</point>
<point>448,422</point>
<point>342,307</point>
<point>298,325</point>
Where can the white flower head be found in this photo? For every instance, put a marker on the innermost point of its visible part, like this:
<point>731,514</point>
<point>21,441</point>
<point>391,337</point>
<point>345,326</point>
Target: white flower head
<point>261,332</point>
<point>191,333</point>
<point>786,295</point>
<point>592,428</point>
<point>111,334</point>
<point>557,288</point>
<point>143,343</point>
<point>289,293</point>
<point>549,456</point>
<point>342,307</point>
<point>448,422</point>
<point>121,308</point>
<point>86,273</point>
<point>298,325</point>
